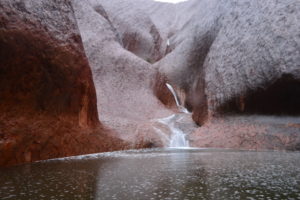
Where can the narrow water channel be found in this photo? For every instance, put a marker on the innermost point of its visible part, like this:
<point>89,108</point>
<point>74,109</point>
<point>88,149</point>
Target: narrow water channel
<point>158,174</point>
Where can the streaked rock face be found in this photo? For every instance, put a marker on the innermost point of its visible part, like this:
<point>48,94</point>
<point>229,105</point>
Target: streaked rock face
<point>43,63</point>
<point>221,57</point>
<point>230,49</point>
<point>120,43</point>
<point>216,51</point>
<point>47,96</point>
<point>222,54</point>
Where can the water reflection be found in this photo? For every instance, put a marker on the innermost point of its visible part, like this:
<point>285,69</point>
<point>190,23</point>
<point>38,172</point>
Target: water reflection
<point>158,174</point>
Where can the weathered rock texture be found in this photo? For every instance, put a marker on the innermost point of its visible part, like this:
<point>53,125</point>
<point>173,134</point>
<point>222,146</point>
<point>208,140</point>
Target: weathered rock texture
<point>120,44</point>
<point>226,56</point>
<point>228,50</point>
<point>221,56</point>
<point>47,96</point>
<point>241,57</point>
<point>249,132</point>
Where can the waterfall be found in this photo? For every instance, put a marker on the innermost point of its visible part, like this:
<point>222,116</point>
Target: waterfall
<point>177,138</point>
<point>179,106</point>
<point>174,94</point>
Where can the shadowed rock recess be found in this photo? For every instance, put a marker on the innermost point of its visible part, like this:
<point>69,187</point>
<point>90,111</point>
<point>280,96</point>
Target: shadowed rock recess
<point>234,64</point>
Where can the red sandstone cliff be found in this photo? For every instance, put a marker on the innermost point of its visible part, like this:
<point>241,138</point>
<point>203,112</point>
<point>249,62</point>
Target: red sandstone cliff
<point>220,55</point>
<point>47,95</point>
<point>234,64</point>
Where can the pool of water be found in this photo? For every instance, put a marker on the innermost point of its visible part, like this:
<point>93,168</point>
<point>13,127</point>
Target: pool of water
<point>158,174</point>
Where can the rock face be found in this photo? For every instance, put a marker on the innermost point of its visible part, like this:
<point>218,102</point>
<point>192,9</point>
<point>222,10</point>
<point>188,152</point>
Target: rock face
<point>43,64</point>
<point>242,58</point>
<point>226,56</point>
<point>120,53</point>
<point>222,57</point>
<point>234,51</point>
<point>47,96</point>
<point>249,132</point>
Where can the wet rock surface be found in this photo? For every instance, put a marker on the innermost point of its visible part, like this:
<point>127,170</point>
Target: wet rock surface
<point>249,132</point>
<point>124,79</point>
<point>235,49</point>
<point>221,57</point>
<point>224,56</point>
<point>47,96</point>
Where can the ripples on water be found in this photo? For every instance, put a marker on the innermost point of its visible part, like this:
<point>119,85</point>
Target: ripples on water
<point>158,174</point>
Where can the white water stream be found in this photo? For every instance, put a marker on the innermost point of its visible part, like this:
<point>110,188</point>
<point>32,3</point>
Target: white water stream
<point>177,137</point>
<point>179,106</point>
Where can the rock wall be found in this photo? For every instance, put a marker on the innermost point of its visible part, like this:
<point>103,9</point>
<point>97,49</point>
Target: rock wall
<point>226,56</point>
<point>237,48</point>
<point>240,58</point>
<point>222,57</point>
<point>124,77</point>
<point>47,95</point>
<point>253,132</point>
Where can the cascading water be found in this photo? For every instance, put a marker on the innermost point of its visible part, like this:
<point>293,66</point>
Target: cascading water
<point>177,137</point>
<point>180,107</point>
